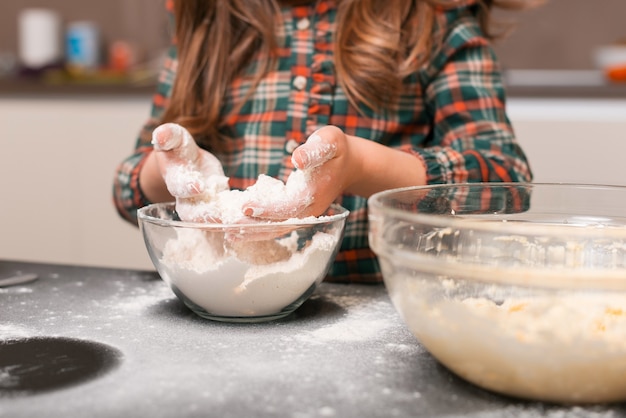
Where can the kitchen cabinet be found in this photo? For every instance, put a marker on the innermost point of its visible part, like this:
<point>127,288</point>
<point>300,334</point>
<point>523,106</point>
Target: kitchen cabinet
<point>59,154</point>
<point>56,169</point>
<point>572,140</point>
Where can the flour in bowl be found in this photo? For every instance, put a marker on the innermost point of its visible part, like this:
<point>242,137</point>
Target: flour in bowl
<point>214,276</point>
<point>220,204</point>
<point>238,272</point>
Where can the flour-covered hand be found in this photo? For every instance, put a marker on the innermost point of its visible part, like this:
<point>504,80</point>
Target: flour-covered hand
<point>192,175</point>
<point>270,198</point>
<point>183,164</point>
<point>321,176</point>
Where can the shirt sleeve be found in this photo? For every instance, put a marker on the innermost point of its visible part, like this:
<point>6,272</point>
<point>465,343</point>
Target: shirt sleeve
<point>472,138</point>
<point>127,194</point>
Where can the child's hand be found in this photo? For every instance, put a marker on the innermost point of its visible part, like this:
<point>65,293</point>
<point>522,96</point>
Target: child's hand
<point>192,175</point>
<point>326,171</point>
<point>183,164</point>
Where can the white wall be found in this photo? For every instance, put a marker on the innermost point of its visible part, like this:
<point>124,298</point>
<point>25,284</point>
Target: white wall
<point>58,156</point>
<point>57,159</point>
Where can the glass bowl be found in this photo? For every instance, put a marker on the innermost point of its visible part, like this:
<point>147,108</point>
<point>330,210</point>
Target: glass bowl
<point>518,288</point>
<point>248,272</point>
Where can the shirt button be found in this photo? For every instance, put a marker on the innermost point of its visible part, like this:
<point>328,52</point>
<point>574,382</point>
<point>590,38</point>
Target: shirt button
<point>291,146</point>
<point>303,24</point>
<point>299,82</point>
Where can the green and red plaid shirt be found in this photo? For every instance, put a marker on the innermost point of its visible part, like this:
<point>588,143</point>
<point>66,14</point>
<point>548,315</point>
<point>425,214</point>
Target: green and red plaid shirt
<point>451,115</point>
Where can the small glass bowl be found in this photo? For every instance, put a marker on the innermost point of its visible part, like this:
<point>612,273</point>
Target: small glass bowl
<point>248,272</point>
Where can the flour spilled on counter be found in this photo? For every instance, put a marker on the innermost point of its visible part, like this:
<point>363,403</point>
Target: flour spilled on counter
<point>8,331</point>
<point>130,299</point>
<point>139,302</point>
<point>16,290</point>
<point>564,348</point>
<point>517,411</point>
<point>363,323</point>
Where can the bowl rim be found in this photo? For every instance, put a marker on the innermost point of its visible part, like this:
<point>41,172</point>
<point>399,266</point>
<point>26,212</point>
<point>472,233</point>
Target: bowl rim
<point>142,216</point>
<point>563,277</point>
<point>480,223</point>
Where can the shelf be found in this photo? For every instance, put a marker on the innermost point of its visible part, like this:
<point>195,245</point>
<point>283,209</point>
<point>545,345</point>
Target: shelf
<point>15,88</point>
<point>519,83</point>
<point>585,84</point>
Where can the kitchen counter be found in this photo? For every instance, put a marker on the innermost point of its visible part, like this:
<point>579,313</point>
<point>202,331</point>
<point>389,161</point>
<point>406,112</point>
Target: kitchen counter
<point>562,84</point>
<point>344,353</point>
<point>26,88</point>
<point>581,84</point>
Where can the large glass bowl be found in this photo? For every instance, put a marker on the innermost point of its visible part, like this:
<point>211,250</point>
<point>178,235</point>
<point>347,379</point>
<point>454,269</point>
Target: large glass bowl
<point>248,272</point>
<point>518,288</point>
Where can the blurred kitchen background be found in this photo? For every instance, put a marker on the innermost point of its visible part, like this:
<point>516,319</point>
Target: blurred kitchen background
<point>115,40</point>
<point>68,117</point>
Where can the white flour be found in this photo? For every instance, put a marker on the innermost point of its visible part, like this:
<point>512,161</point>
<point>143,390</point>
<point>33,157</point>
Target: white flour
<point>362,322</point>
<point>220,204</point>
<point>213,275</point>
<point>563,348</point>
<point>9,331</point>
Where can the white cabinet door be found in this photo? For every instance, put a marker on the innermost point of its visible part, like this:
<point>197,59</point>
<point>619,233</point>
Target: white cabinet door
<point>57,162</point>
<point>572,141</point>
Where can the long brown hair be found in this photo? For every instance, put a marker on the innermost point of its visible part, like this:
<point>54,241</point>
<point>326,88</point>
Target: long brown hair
<point>380,41</point>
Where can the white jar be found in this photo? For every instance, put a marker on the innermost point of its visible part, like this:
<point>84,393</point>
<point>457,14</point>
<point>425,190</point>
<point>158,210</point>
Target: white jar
<point>39,38</point>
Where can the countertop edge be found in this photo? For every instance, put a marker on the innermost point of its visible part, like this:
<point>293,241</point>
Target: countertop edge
<point>38,89</point>
<point>565,84</point>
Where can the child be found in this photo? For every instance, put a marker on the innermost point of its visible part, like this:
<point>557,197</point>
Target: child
<point>391,93</point>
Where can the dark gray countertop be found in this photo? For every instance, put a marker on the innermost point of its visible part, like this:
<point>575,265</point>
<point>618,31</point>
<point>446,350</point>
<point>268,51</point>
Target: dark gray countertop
<point>344,353</point>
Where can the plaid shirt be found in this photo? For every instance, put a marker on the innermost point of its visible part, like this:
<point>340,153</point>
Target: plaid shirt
<point>451,115</point>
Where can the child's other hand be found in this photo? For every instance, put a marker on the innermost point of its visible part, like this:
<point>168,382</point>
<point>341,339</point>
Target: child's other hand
<point>183,165</point>
<point>327,171</point>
